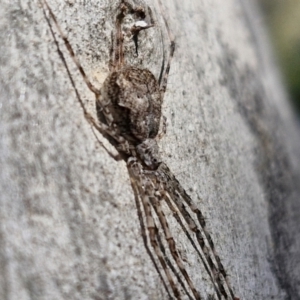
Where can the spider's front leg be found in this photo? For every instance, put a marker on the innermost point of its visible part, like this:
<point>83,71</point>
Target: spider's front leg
<point>147,188</point>
<point>176,193</point>
<point>139,185</point>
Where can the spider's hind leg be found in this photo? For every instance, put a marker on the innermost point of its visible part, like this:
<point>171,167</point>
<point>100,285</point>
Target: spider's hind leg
<point>102,127</point>
<point>138,181</point>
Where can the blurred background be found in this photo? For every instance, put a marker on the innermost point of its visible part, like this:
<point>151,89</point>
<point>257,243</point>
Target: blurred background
<point>283,19</point>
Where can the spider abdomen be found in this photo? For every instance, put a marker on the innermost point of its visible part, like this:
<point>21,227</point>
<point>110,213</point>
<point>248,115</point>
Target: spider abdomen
<point>133,98</point>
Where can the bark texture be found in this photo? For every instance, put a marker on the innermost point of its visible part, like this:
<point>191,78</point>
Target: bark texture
<point>68,222</point>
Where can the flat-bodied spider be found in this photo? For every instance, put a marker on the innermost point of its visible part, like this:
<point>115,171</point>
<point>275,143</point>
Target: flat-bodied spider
<point>129,115</point>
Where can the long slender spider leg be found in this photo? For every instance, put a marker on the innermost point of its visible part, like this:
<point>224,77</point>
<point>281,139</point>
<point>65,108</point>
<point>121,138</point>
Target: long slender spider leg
<point>201,242</point>
<point>175,272</point>
<point>144,234</point>
<point>134,186</point>
<point>70,49</point>
<point>65,63</point>
<point>102,128</point>
<point>171,185</point>
<point>135,174</point>
<point>111,64</point>
<point>166,197</point>
<point>116,157</point>
<point>162,129</point>
<point>118,60</point>
<point>202,222</point>
<point>172,245</point>
<point>135,189</point>
<point>163,78</point>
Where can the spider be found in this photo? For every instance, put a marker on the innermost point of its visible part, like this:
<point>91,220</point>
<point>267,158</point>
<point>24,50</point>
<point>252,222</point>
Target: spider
<point>129,115</point>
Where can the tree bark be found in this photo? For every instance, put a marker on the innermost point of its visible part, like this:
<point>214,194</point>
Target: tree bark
<point>69,226</point>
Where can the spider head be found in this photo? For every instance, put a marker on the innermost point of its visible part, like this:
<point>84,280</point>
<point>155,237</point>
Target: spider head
<point>149,153</point>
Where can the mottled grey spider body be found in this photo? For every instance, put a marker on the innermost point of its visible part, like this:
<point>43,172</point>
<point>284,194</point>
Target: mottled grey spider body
<point>129,115</point>
<point>134,100</point>
<point>131,101</point>
<point>130,98</point>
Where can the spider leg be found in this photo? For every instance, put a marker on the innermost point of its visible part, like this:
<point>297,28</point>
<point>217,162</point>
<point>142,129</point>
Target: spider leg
<point>135,183</point>
<point>104,129</point>
<point>116,157</point>
<point>111,63</point>
<point>202,222</point>
<point>172,245</point>
<point>163,78</point>
<point>143,231</point>
<point>176,191</point>
<point>163,128</point>
<point>118,55</point>
<point>135,172</point>
<point>70,49</point>
<point>165,196</point>
<point>175,272</point>
<point>213,270</point>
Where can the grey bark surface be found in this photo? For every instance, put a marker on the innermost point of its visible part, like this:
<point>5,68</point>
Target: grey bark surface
<point>68,222</point>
